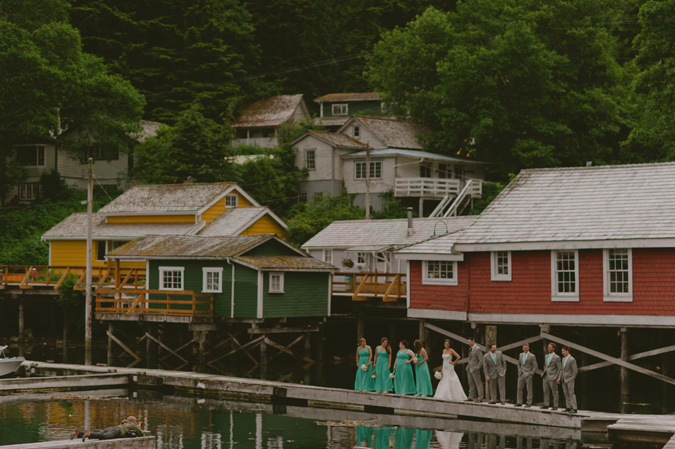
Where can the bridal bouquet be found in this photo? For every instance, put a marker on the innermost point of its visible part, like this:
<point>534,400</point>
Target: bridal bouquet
<point>373,375</point>
<point>414,359</point>
<point>438,375</point>
<point>392,375</point>
<point>364,367</point>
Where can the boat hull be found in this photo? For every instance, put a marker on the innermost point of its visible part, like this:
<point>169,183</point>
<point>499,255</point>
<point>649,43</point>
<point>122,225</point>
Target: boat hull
<point>10,365</point>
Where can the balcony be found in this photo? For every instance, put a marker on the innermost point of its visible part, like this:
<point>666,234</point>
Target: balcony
<point>434,187</point>
<point>362,286</point>
<point>119,304</point>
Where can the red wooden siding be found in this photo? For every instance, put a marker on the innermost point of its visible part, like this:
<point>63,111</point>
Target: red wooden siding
<point>438,297</point>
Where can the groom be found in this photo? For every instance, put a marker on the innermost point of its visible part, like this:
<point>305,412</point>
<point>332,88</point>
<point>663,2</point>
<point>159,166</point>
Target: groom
<point>473,370</point>
<point>494,365</point>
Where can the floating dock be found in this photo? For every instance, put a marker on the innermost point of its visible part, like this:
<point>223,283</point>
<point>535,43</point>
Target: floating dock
<point>120,443</point>
<point>302,399</point>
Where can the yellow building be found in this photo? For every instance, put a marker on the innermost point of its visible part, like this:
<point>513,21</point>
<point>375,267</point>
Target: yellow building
<point>215,209</point>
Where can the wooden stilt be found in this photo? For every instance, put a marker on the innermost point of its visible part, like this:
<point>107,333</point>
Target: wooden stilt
<point>150,347</point>
<point>202,350</point>
<point>263,357</point>
<point>308,345</point>
<point>65,334</point>
<point>360,326</point>
<point>126,349</point>
<point>623,376</point>
<point>21,322</point>
<point>111,331</point>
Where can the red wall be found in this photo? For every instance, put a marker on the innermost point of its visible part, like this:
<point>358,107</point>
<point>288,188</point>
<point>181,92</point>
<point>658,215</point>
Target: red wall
<point>529,290</point>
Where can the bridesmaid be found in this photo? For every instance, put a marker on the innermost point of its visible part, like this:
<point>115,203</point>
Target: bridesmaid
<point>403,380</point>
<point>382,364</point>
<point>364,357</point>
<point>422,371</point>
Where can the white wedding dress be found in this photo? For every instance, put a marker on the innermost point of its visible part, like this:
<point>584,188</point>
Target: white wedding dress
<point>449,440</point>
<point>449,388</point>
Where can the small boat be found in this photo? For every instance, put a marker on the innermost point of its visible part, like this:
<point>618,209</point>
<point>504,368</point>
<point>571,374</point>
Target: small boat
<point>9,365</point>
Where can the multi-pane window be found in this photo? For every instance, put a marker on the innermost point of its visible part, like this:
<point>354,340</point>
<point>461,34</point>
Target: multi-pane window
<point>212,281</point>
<point>231,200</point>
<point>100,153</point>
<point>31,155</point>
<point>444,171</point>
<point>565,275</point>
<point>501,265</point>
<point>171,278</point>
<point>29,191</point>
<point>618,275</point>
<point>276,283</point>
<point>339,109</point>
<point>361,258</point>
<point>426,170</point>
<point>439,272</point>
<point>328,255</point>
<point>357,131</point>
<point>375,170</point>
<point>310,159</point>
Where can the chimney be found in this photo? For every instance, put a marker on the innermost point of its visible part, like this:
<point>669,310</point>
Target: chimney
<point>411,230</point>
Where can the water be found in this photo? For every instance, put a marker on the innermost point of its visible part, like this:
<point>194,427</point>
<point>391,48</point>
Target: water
<point>184,422</point>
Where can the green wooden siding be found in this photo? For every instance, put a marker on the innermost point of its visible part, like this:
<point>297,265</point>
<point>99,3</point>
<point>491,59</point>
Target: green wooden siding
<point>354,108</point>
<point>245,292</point>
<point>305,294</point>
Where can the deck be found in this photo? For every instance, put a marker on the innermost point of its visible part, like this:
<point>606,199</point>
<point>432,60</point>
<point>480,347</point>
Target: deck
<point>120,443</point>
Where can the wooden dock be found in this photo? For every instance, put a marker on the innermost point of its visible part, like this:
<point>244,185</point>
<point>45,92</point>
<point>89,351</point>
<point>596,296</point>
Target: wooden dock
<point>120,443</point>
<point>306,400</point>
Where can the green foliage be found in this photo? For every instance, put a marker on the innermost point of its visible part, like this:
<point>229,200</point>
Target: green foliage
<point>517,83</point>
<point>68,296</point>
<point>52,185</point>
<point>193,148</point>
<point>309,218</point>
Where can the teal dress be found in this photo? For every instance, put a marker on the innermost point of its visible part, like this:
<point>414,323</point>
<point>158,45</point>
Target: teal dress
<point>404,383</point>
<point>382,381</point>
<point>364,434</point>
<point>422,438</point>
<point>383,435</point>
<point>423,377</point>
<point>364,380</point>
<point>403,437</point>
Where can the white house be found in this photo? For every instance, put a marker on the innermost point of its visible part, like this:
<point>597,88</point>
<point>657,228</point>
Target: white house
<point>259,123</point>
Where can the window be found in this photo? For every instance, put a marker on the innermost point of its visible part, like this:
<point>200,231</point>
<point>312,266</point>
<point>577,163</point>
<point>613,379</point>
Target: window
<point>375,170</point>
<point>565,275</point>
<point>302,197</point>
<point>328,255</point>
<point>357,131</point>
<point>101,251</point>
<point>439,272</point>
<point>361,258</point>
<point>501,265</point>
<point>317,196</point>
<point>459,172</point>
<point>310,159</point>
<point>618,279</point>
<point>171,278</point>
<point>339,109</point>
<point>31,155</point>
<point>425,170</point>
<point>212,280</point>
<point>276,283</point>
<point>231,200</point>
<point>100,153</point>
<point>29,191</point>
<point>444,171</point>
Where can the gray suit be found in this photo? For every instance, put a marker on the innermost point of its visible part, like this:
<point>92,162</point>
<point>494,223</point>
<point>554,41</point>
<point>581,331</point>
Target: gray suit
<point>527,365</point>
<point>495,369</point>
<point>552,371</point>
<point>567,377</point>
<point>473,370</point>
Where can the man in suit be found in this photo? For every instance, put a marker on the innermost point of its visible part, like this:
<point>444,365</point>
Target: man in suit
<point>552,370</point>
<point>568,375</point>
<point>494,365</point>
<point>527,365</point>
<point>473,370</point>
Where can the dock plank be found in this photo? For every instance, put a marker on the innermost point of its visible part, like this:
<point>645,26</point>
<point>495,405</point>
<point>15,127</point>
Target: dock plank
<point>120,443</point>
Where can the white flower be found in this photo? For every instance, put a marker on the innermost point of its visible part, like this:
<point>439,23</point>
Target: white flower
<point>373,375</point>
<point>438,375</point>
<point>364,367</point>
<point>392,375</point>
<point>414,359</point>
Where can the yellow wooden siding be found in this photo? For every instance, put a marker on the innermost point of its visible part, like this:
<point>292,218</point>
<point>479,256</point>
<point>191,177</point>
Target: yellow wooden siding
<point>152,219</point>
<point>264,225</point>
<point>218,208</point>
<point>73,253</point>
<point>243,202</point>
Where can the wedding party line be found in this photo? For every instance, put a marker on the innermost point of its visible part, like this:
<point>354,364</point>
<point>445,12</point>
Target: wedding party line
<point>411,374</point>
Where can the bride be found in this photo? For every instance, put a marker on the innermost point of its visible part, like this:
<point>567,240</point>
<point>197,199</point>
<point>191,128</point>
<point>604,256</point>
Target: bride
<point>449,388</point>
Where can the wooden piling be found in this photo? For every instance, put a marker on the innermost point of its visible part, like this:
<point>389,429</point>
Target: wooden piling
<point>623,376</point>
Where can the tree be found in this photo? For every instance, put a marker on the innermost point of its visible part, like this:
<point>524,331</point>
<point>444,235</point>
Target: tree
<point>48,84</point>
<point>516,83</point>
<point>193,147</point>
<point>175,52</point>
<point>311,217</point>
<point>653,137</point>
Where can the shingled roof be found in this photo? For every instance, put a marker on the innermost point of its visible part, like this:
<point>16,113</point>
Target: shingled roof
<point>586,207</point>
<point>353,96</point>
<point>269,112</point>
<point>395,133</point>
<point>340,140</point>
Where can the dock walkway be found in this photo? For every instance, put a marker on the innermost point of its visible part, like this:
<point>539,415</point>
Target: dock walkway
<point>120,443</point>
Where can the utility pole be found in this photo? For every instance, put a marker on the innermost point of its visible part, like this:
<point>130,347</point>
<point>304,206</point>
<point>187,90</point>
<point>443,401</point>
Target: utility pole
<point>367,181</point>
<point>87,312</point>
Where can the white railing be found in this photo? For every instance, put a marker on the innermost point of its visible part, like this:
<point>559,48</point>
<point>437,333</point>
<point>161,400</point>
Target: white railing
<point>426,187</point>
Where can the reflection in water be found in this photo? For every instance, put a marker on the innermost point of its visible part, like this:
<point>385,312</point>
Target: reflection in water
<point>187,423</point>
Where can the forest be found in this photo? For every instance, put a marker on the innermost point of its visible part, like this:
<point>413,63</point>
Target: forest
<point>517,83</point>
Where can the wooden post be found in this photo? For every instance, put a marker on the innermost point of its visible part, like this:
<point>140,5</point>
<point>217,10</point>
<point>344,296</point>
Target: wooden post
<point>21,321</point>
<point>87,310</point>
<point>360,326</point>
<point>202,350</point>
<point>65,334</point>
<point>420,331</point>
<point>665,388</point>
<point>625,388</point>
<point>263,358</point>
<point>110,342</point>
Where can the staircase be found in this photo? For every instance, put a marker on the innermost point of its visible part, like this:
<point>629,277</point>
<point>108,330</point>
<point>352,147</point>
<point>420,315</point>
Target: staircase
<point>452,207</point>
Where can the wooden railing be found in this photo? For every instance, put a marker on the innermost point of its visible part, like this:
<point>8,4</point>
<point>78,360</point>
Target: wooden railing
<point>154,302</point>
<point>36,276</point>
<point>435,187</point>
<point>362,286</point>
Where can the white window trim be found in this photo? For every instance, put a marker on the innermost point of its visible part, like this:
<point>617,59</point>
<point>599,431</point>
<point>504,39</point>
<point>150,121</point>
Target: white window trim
<point>182,277</point>
<point>340,106</point>
<point>313,152</point>
<point>236,200</point>
<point>205,271</point>
<point>493,264</point>
<point>564,297</point>
<point>617,297</point>
<point>329,253</point>
<point>428,281</point>
<point>281,282</point>
<point>368,168</point>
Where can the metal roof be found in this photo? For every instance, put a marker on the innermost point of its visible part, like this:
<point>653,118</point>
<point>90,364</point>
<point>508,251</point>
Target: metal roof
<point>75,227</point>
<point>395,133</point>
<point>269,112</point>
<point>166,198</point>
<point>236,220</point>
<point>188,247</point>
<point>391,152</point>
<point>366,234</point>
<point>601,204</point>
<point>359,96</point>
<point>282,263</point>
